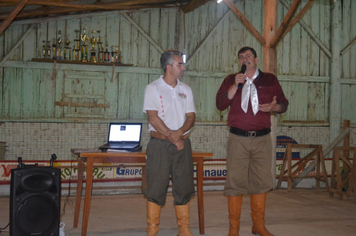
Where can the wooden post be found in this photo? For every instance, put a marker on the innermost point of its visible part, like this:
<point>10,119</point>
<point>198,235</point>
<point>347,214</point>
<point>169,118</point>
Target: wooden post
<point>335,71</point>
<point>346,143</point>
<point>269,60</point>
<point>270,65</point>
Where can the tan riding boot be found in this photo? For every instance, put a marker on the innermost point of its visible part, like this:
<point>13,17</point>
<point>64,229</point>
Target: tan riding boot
<point>258,203</point>
<point>234,203</point>
<point>182,213</point>
<point>153,218</point>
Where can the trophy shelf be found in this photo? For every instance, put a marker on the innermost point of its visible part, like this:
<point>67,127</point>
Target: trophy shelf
<point>79,62</point>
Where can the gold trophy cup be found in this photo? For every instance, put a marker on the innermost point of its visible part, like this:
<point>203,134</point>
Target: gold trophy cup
<point>76,48</point>
<point>67,50</point>
<point>93,41</point>
<point>85,38</point>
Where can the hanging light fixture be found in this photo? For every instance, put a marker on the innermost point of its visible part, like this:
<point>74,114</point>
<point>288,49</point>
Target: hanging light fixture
<point>184,56</point>
<point>219,1</point>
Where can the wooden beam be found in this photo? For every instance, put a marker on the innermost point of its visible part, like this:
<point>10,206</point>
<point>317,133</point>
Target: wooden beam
<point>66,5</point>
<point>76,5</point>
<point>207,37</point>
<point>348,46</point>
<point>248,25</point>
<point>128,18</point>
<point>270,65</point>
<point>335,96</point>
<point>270,25</point>
<point>77,104</point>
<point>194,4</point>
<point>310,32</point>
<point>4,59</point>
<point>299,16</point>
<point>70,8</point>
<point>12,15</point>
<point>284,25</point>
<point>346,144</point>
<point>138,2</point>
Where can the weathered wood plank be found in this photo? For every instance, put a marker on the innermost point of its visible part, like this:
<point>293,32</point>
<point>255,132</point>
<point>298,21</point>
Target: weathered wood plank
<point>46,92</point>
<point>154,55</point>
<point>142,43</point>
<point>316,102</point>
<point>222,39</point>
<point>125,38</point>
<point>295,49</point>
<point>353,29</point>
<point>111,95</point>
<point>346,105</point>
<point>12,92</point>
<point>352,110</point>
<point>130,96</point>
<point>324,35</point>
<point>112,33</point>
<point>2,100</point>
<point>283,48</point>
<point>29,91</point>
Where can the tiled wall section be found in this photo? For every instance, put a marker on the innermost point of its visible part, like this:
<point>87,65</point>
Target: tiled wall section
<point>37,141</point>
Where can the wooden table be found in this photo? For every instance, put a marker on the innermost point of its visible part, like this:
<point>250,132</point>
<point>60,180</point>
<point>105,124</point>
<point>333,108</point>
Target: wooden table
<point>125,157</point>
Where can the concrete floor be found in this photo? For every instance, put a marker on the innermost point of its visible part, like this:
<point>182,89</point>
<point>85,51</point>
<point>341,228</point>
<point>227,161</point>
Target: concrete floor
<point>299,212</point>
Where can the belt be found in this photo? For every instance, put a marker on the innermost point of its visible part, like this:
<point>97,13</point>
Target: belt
<point>252,134</point>
<point>155,134</point>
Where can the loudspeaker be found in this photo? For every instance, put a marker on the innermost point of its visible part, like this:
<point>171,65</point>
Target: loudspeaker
<point>35,195</point>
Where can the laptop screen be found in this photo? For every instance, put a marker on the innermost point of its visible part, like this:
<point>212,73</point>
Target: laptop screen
<point>125,132</point>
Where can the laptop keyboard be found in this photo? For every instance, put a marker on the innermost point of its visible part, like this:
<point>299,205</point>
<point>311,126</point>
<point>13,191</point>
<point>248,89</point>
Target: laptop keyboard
<point>121,146</point>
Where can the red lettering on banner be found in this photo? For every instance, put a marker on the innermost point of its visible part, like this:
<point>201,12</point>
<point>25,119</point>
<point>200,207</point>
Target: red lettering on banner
<point>7,170</point>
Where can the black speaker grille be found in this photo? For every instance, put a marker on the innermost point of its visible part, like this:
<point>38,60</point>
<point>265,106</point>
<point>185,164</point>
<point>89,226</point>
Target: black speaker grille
<point>37,182</point>
<point>36,215</point>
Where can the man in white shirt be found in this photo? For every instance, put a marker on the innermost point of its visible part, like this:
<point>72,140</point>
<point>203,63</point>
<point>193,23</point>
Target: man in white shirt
<point>170,109</point>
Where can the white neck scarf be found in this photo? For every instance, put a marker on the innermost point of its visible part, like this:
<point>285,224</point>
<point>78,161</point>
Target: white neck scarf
<point>249,91</point>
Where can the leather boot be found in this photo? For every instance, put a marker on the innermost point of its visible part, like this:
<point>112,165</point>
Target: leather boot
<point>182,213</point>
<point>258,204</point>
<point>234,203</point>
<point>153,218</point>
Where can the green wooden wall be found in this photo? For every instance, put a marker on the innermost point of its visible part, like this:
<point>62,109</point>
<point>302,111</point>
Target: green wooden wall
<point>211,34</point>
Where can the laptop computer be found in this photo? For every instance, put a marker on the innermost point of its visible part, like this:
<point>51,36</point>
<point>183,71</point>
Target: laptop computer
<point>124,136</point>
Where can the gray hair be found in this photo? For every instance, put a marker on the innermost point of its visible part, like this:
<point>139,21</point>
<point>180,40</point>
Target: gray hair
<point>167,58</point>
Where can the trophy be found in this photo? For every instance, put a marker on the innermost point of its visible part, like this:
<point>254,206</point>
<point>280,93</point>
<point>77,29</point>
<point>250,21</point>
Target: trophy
<point>48,48</point>
<point>106,53</point>
<point>84,50</point>
<point>117,55</point>
<point>93,41</point>
<point>100,48</point>
<point>44,49</point>
<point>67,50</point>
<point>76,47</point>
<point>54,46</point>
<point>112,54</point>
<point>59,47</point>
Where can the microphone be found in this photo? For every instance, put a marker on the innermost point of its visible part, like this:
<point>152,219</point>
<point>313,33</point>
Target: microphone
<point>243,69</point>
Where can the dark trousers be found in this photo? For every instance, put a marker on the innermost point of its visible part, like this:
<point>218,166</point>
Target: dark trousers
<point>164,161</point>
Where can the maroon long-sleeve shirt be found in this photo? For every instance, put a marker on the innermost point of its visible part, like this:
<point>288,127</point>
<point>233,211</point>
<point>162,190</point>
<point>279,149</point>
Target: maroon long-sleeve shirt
<point>267,87</point>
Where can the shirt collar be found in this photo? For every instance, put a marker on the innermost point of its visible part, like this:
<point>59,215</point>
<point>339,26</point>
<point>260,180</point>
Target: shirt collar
<point>257,72</point>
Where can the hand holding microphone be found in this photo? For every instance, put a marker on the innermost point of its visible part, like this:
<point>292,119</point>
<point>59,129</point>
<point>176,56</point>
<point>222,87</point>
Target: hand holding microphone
<point>242,71</point>
<point>239,80</point>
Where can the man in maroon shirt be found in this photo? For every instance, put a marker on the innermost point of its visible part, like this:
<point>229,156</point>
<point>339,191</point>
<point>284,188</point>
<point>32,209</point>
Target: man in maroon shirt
<point>252,96</point>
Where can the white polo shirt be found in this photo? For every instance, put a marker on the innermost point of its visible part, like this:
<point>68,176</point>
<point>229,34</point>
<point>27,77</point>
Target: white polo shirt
<point>171,103</point>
